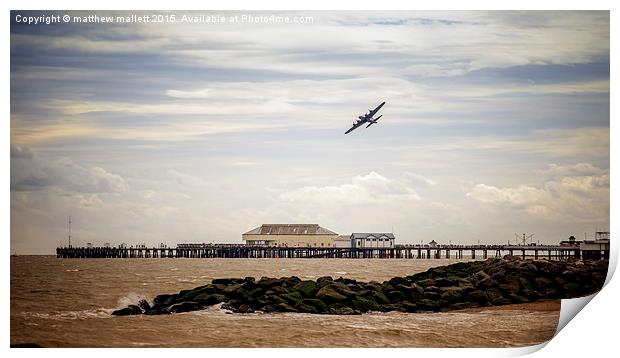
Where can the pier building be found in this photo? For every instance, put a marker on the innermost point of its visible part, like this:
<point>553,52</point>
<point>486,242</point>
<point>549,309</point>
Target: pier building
<point>290,235</point>
<point>372,240</point>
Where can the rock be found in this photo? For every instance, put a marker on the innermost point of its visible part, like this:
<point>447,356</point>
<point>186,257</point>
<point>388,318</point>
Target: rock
<point>307,288</point>
<point>343,289</point>
<point>404,306</point>
<point>525,284</point>
<point>155,311</point>
<point>340,309</point>
<point>186,306</point>
<point>225,281</point>
<point>463,305</point>
<point>128,311</point>
<point>257,292</point>
<point>346,281</point>
<point>571,289</point>
<point>445,282</point>
<point>515,298</point>
<point>231,289</point>
<point>294,298</point>
<point>292,281</point>
<point>283,307</point>
<point>465,283</point>
<point>163,300</point>
<point>493,294</point>
<point>318,304</point>
<point>477,296</point>
<point>395,281</point>
<point>427,283</point>
<point>487,283</point>
<point>329,294</point>
<point>249,285</point>
<point>478,277</point>
<point>427,305</point>
<point>559,281</point>
<point>542,282</point>
<point>416,290</point>
<point>307,308</point>
<point>357,288</point>
<point>232,305</point>
<point>269,308</point>
<point>373,286</point>
<point>501,301</point>
<point>431,295</point>
<point>276,299</point>
<point>452,295</point>
<point>363,293</point>
<point>206,289</point>
<point>219,287</point>
<point>380,297</point>
<point>324,281</point>
<point>365,304</point>
<point>532,295</point>
<point>407,306</point>
<point>277,290</point>
<point>267,282</point>
<point>210,299</point>
<point>396,296</point>
<point>386,287</point>
<point>144,305</point>
<point>244,309</point>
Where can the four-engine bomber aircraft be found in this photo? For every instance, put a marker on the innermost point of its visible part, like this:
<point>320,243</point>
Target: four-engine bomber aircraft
<point>366,118</point>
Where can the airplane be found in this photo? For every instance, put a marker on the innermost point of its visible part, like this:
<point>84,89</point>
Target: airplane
<point>366,118</point>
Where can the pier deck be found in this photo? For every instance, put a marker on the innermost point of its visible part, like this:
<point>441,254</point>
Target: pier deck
<point>398,252</point>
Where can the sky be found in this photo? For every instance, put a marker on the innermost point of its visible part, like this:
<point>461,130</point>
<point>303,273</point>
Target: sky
<point>496,124</point>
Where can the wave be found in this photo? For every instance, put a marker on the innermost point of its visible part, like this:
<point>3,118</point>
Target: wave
<point>131,298</point>
<point>70,315</point>
<point>101,312</point>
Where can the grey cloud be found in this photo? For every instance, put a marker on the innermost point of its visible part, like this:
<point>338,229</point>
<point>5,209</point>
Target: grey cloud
<point>30,172</point>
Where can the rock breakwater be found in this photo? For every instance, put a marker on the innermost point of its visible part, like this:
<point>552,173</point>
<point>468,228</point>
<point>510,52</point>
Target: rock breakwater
<point>462,285</point>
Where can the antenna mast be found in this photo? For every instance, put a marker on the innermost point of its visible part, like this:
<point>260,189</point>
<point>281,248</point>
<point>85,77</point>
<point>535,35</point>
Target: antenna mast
<point>69,231</point>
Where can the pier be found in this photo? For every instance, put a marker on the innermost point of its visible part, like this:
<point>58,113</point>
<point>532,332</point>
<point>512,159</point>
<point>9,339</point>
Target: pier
<point>549,252</point>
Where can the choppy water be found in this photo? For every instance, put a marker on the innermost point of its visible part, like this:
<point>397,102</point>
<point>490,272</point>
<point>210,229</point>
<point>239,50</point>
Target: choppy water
<point>67,303</point>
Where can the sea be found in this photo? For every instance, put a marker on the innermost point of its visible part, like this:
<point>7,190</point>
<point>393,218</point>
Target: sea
<point>68,303</point>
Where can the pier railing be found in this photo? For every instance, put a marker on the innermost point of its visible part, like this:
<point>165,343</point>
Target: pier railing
<point>400,252</point>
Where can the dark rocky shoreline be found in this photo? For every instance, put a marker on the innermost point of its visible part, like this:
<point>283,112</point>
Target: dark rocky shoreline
<point>462,285</point>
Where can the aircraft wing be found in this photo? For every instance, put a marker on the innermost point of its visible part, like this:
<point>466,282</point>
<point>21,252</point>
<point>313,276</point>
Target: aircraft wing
<point>355,125</point>
<point>374,111</point>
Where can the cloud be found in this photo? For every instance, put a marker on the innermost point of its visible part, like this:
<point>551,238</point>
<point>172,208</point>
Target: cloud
<point>521,196</point>
<point>583,196</point>
<point>30,172</point>
<point>363,189</point>
<point>575,170</point>
<point>187,179</point>
<point>419,180</point>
